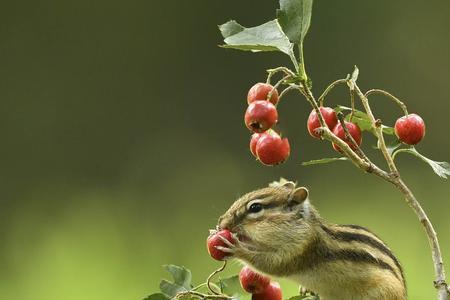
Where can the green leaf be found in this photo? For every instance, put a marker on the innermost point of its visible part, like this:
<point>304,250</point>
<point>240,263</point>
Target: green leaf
<point>388,130</point>
<point>181,275</point>
<point>157,296</point>
<point>362,120</point>
<point>232,287</point>
<point>171,289</point>
<point>323,161</point>
<point>441,168</point>
<point>294,17</point>
<point>230,28</point>
<point>265,37</point>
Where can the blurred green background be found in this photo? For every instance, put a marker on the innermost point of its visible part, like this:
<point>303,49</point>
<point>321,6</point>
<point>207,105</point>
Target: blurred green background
<point>123,138</point>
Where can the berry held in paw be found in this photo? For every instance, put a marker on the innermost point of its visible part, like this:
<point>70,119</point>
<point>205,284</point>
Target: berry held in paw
<point>214,241</point>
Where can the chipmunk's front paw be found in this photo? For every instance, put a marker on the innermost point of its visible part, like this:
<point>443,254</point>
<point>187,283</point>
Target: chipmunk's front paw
<point>235,247</point>
<point>305,292</point>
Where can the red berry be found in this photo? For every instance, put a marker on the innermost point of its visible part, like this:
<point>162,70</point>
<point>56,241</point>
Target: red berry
<point>354,131</point>
<point>272,292</point>
<point>260,91</point>
<point>214,240</point>
<point>253,282</point>
<point>271,149</point>
<point>410,129</point>
<point>254,139</point>
<point>313,123</point>
<point>260,116</point>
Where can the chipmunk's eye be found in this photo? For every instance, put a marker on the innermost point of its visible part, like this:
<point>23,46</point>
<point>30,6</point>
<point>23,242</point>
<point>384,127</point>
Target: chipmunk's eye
<point>255,207</point>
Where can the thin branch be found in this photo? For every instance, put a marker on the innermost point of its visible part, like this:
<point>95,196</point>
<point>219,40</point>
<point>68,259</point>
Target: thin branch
<point>439,283</point>
<point>376,124</point>
<point>352,103</point>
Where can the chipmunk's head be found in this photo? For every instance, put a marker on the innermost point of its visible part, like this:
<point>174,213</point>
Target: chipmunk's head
<point>272,218</point>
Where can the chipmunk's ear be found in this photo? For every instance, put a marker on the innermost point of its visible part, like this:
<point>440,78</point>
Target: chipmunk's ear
<point>289,184</point>
<point>299,195</point>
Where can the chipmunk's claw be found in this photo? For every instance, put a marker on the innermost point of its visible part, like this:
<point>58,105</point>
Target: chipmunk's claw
<point>227,242</point>
<point>226,249</point>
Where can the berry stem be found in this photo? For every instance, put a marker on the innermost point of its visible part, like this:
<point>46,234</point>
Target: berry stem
<point>208,281</point>
<point>329,88</point>
<point>289,88</point>
<point>271,72</point>
<point>281,81</point>
<point>389,95</point>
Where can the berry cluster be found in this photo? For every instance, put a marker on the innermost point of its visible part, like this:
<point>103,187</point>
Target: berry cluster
<point>330,118</point>
<point>410,129</point>
<point>261,115</point>
<point>268,146</point>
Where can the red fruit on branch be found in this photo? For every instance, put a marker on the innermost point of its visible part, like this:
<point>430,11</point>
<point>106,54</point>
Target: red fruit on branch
<point>272,292</point>
<point>260,91</point>
<point>260,116</point>
<point>271,149</point>
<point>313,123</point>
<point>253,282</point>
<point>410,129</point>
<point>253,140</point>
<point>354,131</point>
<point>214,240</point>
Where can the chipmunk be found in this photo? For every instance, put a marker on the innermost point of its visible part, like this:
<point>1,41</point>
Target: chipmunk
<point>278,232</point>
